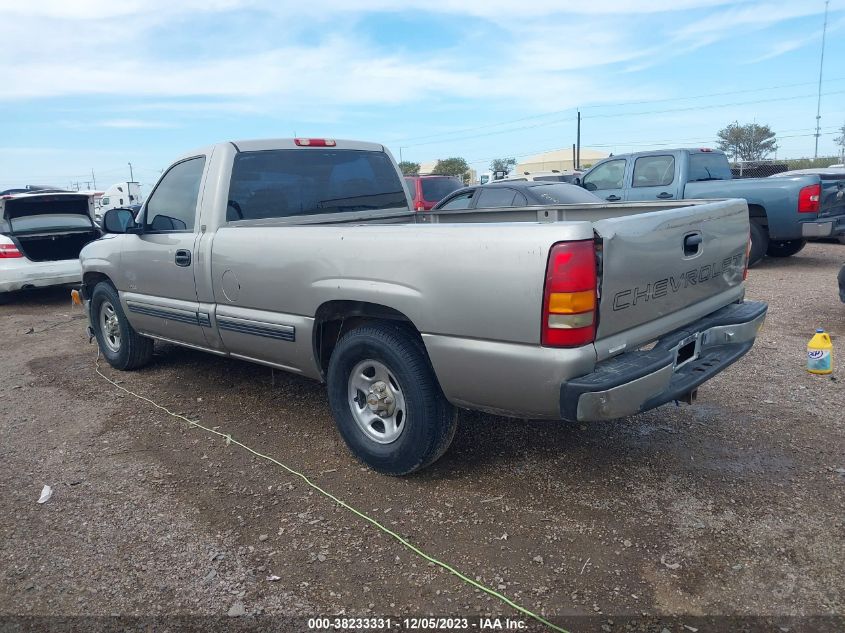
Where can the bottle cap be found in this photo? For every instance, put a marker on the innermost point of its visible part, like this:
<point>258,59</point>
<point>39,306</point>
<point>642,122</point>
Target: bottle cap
<point>819,330</point>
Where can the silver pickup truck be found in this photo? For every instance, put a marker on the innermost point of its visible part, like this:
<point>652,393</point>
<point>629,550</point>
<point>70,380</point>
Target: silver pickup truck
<point>303,255</point>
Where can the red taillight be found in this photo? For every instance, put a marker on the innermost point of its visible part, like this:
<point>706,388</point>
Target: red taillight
<point>314,142</point>
<point>569,297</point>
<point>808,198</point>
<point>704,149</point>
<point>8,251</point>
<point>420,207</point>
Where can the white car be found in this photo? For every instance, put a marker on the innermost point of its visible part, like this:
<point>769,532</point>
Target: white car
<point>41,235</point>
<point>572,177</point>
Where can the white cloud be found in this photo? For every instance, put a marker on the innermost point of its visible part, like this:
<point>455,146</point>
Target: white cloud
<point>97,47</point>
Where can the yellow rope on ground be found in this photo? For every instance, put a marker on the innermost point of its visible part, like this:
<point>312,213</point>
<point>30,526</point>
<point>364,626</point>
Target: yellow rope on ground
<point>408,545</point>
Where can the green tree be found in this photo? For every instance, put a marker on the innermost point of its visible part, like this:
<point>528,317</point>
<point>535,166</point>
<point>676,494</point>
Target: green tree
<point>408,168</point>
<point>452,167</point>
<point>747,142</point>
<point>502,164</point>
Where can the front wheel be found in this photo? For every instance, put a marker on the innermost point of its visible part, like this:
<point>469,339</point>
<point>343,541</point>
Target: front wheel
<point>121,345</point>
<point>785,248</point>
<point>386,401</point>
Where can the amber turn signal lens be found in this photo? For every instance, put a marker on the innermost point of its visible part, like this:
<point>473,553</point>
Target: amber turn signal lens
<point>572,302</point>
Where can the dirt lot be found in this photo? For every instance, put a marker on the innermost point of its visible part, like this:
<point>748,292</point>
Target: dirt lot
<point>731,507</point>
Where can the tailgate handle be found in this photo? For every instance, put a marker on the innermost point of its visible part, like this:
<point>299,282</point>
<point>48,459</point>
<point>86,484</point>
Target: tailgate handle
<point>692,243</point>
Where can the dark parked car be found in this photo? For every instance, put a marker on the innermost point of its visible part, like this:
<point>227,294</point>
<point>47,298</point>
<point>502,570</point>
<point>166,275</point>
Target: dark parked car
<point>516,194</point>
<point>426,191</point>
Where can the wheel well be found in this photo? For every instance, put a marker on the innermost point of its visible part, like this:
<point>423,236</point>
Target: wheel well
<point>758,214</point>
<point>336,318</point>
<point>90,280</point>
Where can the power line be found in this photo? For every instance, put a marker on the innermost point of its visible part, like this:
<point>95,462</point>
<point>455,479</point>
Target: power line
<point>556,122</point>
<point>723,105</point>
<point>604,105</point>
<point>660,143</point>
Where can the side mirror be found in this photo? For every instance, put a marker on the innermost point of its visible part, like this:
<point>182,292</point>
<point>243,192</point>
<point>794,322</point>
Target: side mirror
<point>119,221</point>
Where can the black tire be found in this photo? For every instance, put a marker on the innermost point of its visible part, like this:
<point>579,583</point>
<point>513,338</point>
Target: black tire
<point>132,350</point>
<point>841,279</point>
<point>429,426</point>
<point>5,297</point>
<point>784,248</point>
<point>759,243</point>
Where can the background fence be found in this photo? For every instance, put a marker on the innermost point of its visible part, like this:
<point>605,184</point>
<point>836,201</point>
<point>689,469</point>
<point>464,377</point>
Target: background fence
<point>763,168</point>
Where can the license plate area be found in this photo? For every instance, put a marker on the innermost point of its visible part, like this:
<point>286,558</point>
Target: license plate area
<point>687,350</point>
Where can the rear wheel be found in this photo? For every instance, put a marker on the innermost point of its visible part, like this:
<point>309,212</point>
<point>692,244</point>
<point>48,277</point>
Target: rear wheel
<point>759,243</point>
<point>121,345</point>
<point>5,297</point>
<point>784,248</point>
<point>386,401</point>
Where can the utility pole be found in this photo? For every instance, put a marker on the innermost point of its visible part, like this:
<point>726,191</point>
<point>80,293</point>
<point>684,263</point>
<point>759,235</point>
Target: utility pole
<point>821,68</point>
<point>578,143</point>
<point>93,178</point>
<point>131,177</point>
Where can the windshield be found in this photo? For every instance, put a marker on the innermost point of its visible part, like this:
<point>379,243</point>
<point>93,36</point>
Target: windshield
<point>50,222</point>
<point>435,189</point>
<point>708,166</point>
<point>560,193</point>
<point>284,183</point>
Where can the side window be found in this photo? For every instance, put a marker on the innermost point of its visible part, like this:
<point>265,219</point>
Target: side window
<point>520,200</point>
<point>104,201</point>
<point>493,197</point>
<point>654,171</point>
<point>460,202</point>
<point>173,204</point>
<point>609,175</point>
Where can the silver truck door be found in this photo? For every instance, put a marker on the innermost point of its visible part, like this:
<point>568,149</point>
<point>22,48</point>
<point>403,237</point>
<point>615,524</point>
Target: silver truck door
<point>607,180</point>
<point>653,178</point>
<point>161,297</point>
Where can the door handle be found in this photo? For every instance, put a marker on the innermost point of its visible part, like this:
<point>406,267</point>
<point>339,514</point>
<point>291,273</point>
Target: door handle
<point>613,198</point>
<point>664,195</point>
<point>183,257</point>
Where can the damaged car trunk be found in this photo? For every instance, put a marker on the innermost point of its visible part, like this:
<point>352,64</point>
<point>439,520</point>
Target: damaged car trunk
<point>49,227</point>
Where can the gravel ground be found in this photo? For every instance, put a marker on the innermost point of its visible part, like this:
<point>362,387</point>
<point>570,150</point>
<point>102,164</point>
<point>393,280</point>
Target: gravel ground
<point>732,507</point>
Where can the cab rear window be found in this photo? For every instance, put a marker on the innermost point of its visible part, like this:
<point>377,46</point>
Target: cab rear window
<point>284,183</point>
<point>435,189</point>
<point>708,166</point>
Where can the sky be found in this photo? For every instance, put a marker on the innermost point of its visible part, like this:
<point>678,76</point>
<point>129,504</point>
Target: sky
<point>93,85</point>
